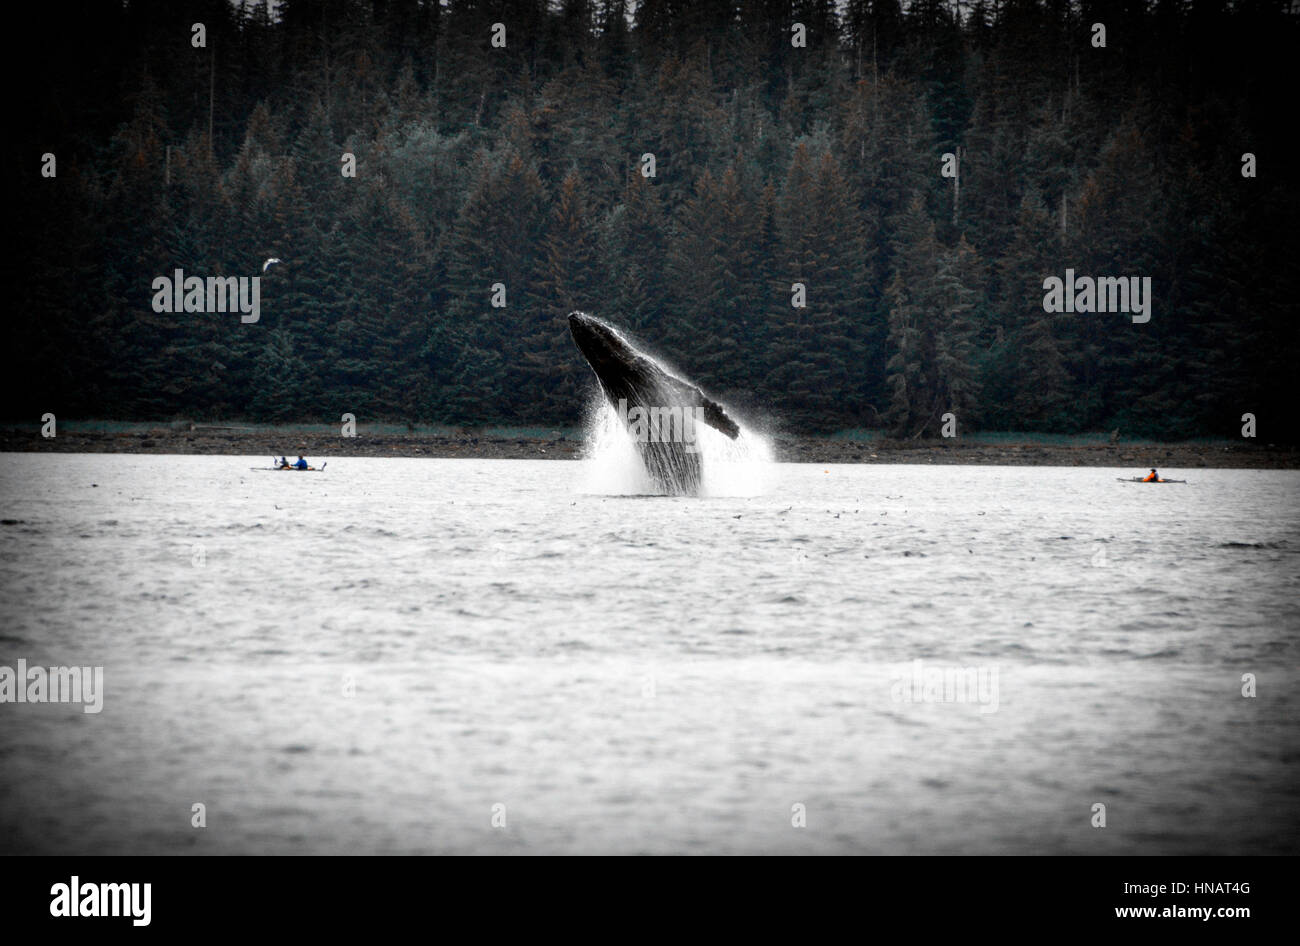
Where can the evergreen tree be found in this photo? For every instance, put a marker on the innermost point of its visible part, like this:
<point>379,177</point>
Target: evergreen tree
<point>931,328</point>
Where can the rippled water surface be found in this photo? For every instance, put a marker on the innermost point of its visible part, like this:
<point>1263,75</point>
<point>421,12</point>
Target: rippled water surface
<point>371,659</point>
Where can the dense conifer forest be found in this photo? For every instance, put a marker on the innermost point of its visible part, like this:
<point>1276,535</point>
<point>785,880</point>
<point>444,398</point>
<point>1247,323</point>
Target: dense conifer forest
<point>675,167</point>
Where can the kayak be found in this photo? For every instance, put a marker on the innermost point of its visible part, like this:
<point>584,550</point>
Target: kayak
<point>289,469</point>
<point>1138,479</point>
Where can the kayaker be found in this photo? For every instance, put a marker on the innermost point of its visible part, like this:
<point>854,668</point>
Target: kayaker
<point>301,464</point>
<point>284,463</point>
<point>1152,477</point>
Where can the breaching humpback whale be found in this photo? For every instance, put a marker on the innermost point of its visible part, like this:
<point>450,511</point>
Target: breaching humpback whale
<point>658,409</point>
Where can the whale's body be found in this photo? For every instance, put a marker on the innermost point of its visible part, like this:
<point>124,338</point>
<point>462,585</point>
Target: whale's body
<point>639,388</point>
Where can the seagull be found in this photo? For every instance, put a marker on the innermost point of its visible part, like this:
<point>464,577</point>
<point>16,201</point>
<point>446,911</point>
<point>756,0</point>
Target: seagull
<point>267,264</point>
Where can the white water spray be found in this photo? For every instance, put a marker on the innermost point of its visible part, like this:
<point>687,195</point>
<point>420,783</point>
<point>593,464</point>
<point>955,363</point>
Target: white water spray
<point>612,463</point>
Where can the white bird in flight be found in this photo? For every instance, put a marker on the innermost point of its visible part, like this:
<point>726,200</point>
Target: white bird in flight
<point>267,264</point>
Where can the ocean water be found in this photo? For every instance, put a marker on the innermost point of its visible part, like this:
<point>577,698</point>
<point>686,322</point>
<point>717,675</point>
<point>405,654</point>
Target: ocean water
<point>464,656</point>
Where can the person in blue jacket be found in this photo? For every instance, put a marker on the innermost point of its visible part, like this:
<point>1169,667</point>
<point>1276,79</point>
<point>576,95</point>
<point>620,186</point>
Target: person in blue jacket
<point>301,464</point>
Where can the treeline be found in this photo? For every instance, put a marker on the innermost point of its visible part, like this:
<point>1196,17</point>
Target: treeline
<point>774,164</point>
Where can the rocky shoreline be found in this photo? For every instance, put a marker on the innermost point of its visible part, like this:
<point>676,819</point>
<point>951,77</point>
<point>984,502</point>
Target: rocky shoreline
<point>235,441</point>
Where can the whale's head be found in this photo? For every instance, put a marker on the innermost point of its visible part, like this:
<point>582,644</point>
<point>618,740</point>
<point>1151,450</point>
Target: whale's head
<point>603,347</point>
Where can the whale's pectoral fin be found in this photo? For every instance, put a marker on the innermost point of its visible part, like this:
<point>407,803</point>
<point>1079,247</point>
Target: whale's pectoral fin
<point>717,418</point>
<point>714,415</point>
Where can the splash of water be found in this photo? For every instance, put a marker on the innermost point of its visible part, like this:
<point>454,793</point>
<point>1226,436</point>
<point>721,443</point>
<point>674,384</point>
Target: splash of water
<point>612,462</point>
